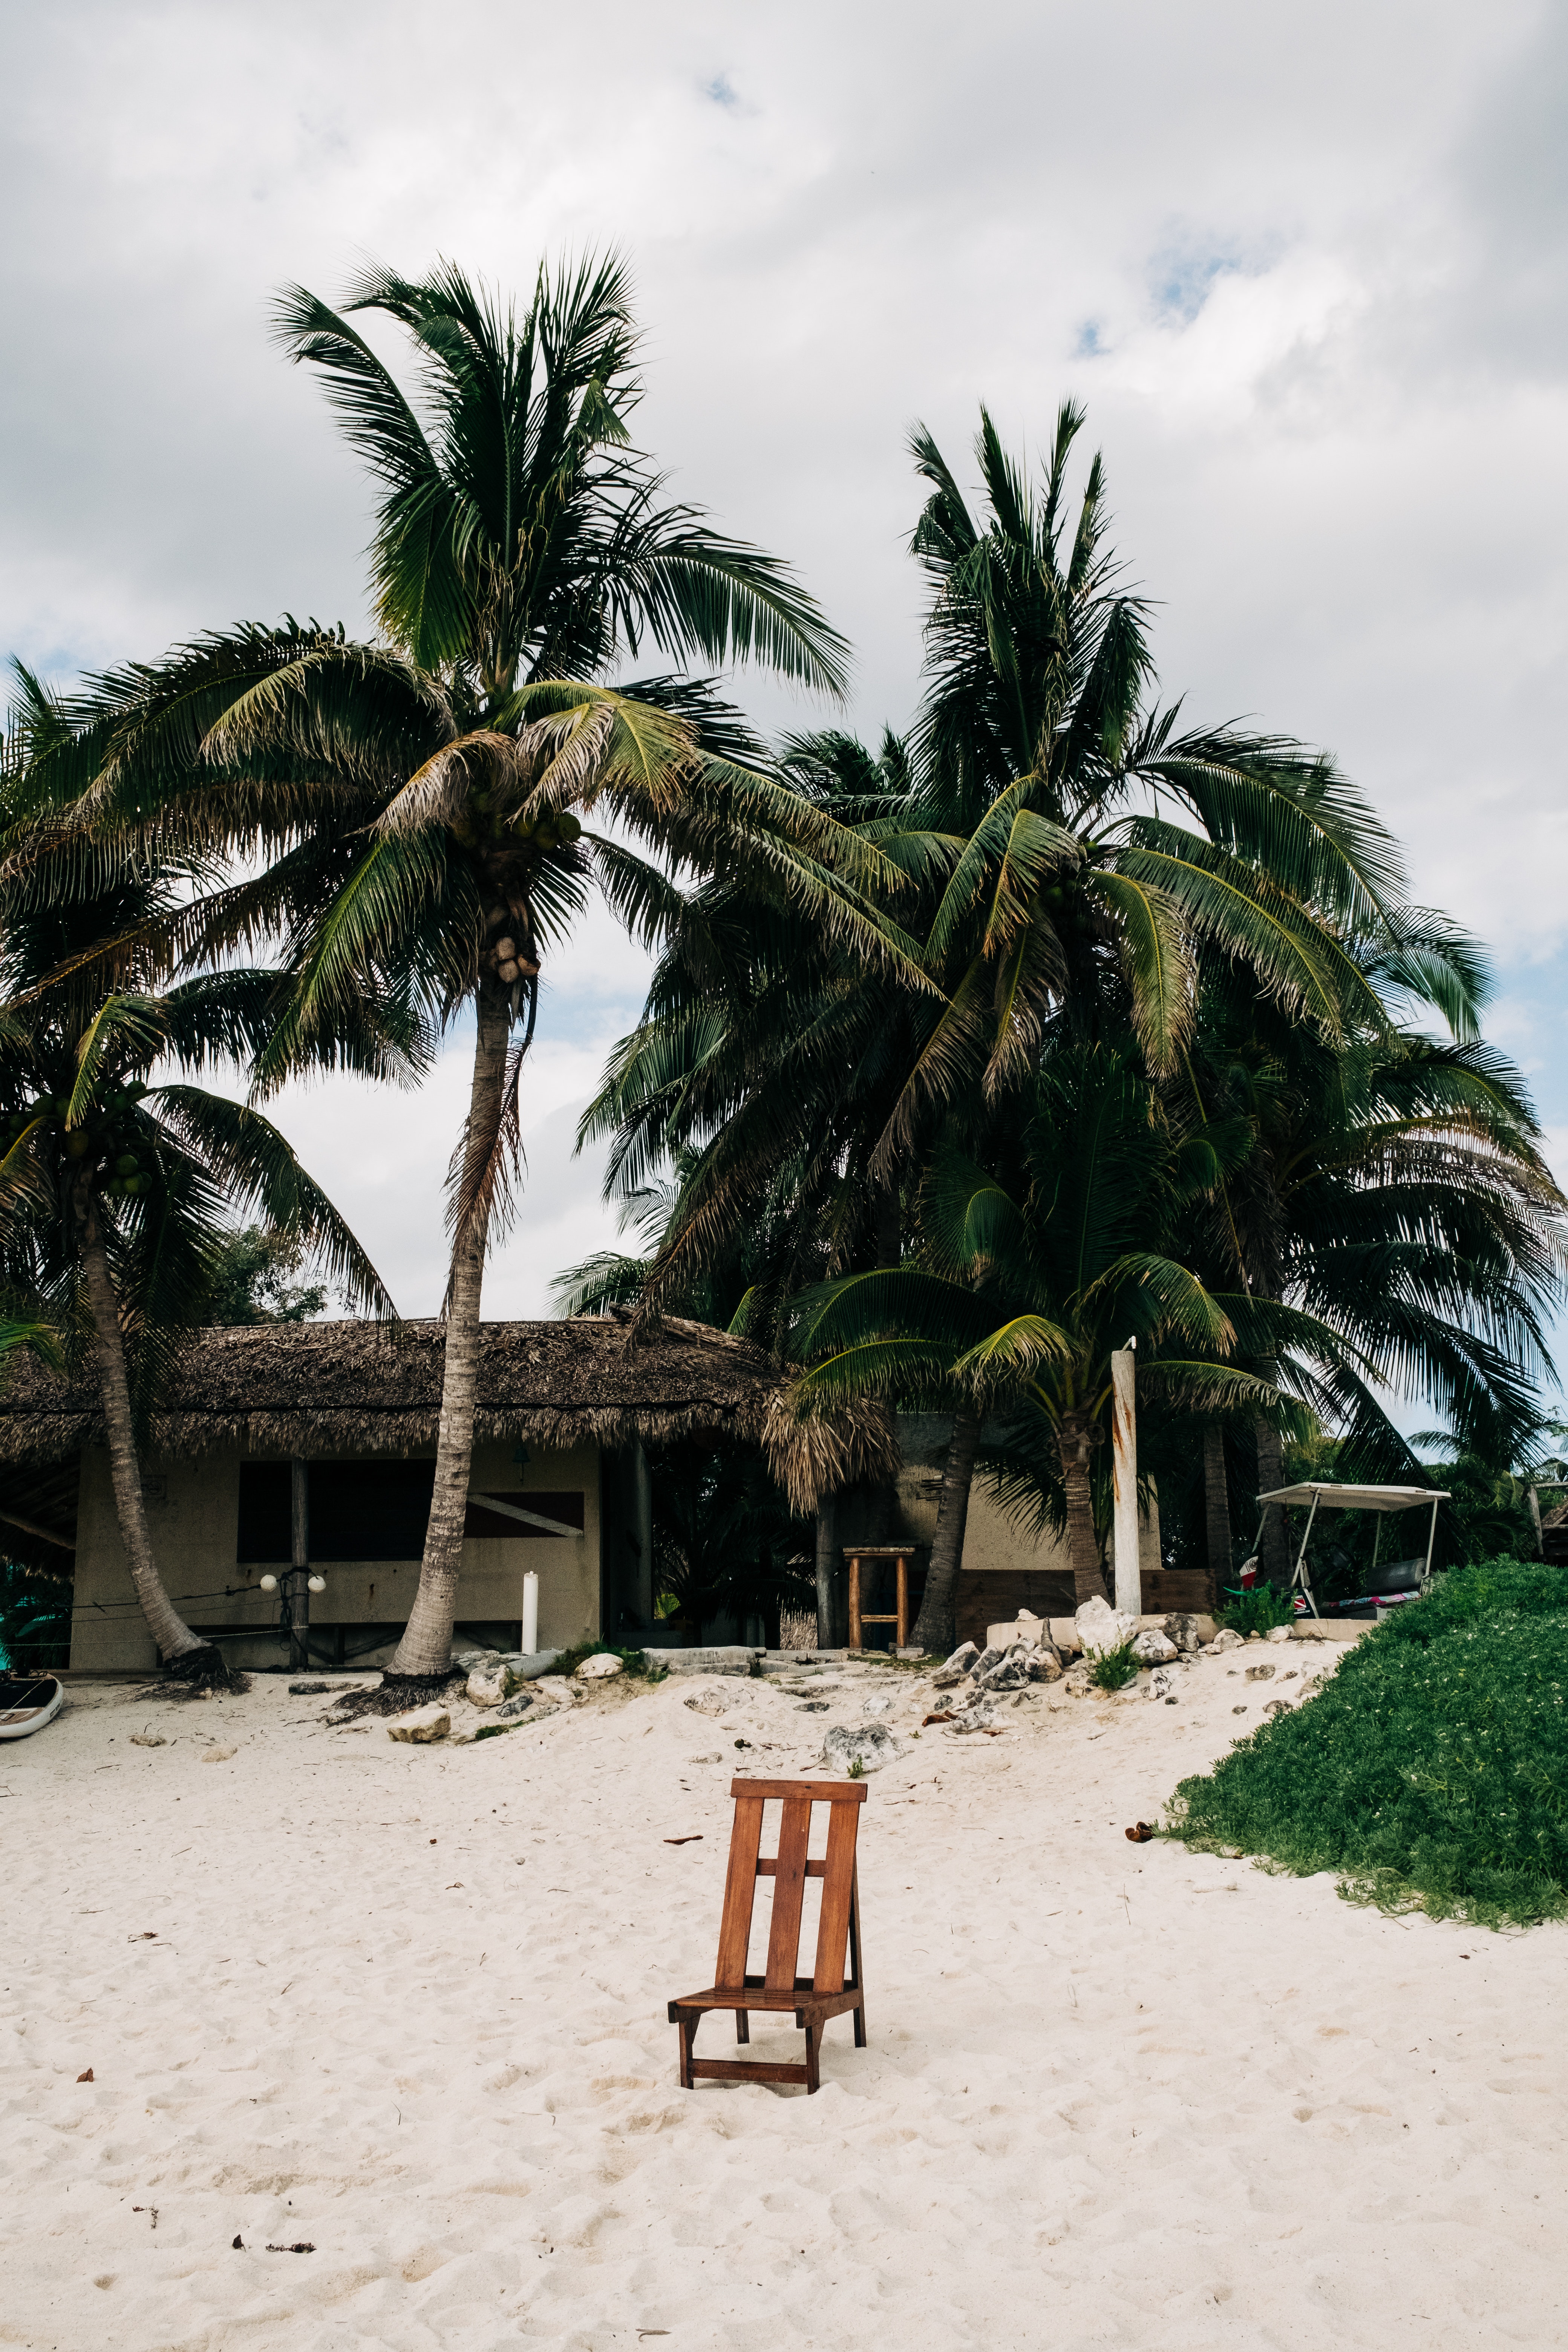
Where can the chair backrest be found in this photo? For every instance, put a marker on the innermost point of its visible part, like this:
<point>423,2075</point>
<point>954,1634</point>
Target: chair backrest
<point>789,1869</point>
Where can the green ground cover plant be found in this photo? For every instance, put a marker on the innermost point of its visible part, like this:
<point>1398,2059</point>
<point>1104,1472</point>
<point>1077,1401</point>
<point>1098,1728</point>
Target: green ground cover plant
<point>1112,1670</point>
<point>1431,1771</point>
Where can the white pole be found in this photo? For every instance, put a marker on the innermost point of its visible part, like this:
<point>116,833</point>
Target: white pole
<point>1124,1481</point>
<point>530,1610</point>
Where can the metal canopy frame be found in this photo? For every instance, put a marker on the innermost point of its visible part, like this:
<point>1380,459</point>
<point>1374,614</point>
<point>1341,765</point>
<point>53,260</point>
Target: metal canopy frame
<point>1321,1491</point>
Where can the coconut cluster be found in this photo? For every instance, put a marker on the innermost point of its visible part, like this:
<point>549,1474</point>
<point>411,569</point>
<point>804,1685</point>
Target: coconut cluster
<point>107,1140</point>
<point>535,837</point>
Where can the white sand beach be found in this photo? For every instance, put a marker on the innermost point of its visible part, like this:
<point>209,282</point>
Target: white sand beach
<point>407,2005</point>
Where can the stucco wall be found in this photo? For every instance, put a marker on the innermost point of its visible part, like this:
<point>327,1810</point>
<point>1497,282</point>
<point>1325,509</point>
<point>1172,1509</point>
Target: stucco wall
<point>992,1541</point>
<point>192,1511</point>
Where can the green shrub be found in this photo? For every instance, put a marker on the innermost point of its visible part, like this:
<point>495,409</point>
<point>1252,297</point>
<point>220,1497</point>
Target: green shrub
<point>1431,1771</point>
<point>1114,1669</point>
<point>1256,1610</point>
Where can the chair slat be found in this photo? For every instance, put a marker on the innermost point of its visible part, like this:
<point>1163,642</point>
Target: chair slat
<point>740,1893</point>
<point>789,1890</point>
<point>838,1891</point>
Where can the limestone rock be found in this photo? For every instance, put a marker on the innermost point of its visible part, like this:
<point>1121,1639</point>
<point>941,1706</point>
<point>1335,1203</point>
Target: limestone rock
<point>1044,1666</point>
<point>1103,1628</point>
<point>962,1660</point>
<point>489,1684</point>
<point>1277,1633</point>
<point>219,1755</point>
<point>991,1655</point>
<point>710,1702</point>
<point>1227,1640</point>
<point>421,1724</point>
<point>872,1744</point>
<point>148,1739</point>
<point>977,1716</point>
<point>1012,1672</point>
<point>1183,1629</point>
<point>1258,1674</point>
<point>510,1708</point>
<point>878,1706</point>
<point>728,1658</point>
<point>1153,1648</point>
<point>1278,1706</point>
<point>600,1667</point>
<point>1158,1685</point>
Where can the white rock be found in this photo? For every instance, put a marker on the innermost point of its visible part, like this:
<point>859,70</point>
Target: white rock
<point>421,1724</point>
<point>963,1658</point>
<point>1183,1629</point>
<point>871,1744</point>
<point>1155,1648</point>
<point>1158,1685</point>
<point>600,1667</point>
<point>878,1706</point>
<point>1010,1673</point>
<point>488,1685</point>
<point>1279,1633</point>
<point>1044,1666</point>
<point>1227,1640</point>
<point>219,1755</point>
<point>1103,1628</point>
<point>148,1739</point>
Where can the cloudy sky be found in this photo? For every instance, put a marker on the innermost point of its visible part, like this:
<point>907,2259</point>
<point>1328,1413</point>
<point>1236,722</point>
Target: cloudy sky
<point>1305,267</point>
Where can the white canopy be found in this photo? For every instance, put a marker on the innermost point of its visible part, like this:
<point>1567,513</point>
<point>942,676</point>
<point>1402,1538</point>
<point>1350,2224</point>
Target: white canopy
<point>1355,1498</point>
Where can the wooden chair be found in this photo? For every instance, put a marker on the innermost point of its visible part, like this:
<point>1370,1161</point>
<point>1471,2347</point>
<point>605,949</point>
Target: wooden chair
<point>825,1992</point>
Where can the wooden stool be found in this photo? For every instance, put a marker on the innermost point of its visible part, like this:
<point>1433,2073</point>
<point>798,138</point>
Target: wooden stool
<point>813,1998</point>
<point>855,1554</point>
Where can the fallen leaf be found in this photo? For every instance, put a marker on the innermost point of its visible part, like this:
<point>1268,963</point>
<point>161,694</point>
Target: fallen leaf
<point>239,2244</point>
<point>695,1839</point>
<point>301,2246</point>
<point>87,2077</point>
<point>1141,1833</point>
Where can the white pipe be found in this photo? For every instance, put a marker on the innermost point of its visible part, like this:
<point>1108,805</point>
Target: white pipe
<point>1299,1579</point>
<point>1431,1535</point>
<point>530,1610</point>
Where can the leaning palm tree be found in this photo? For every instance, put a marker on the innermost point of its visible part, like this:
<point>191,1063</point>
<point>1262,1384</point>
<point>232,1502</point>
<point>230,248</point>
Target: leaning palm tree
<point>1031,1271</point>
<point>117,1178</point>
<point>415,807</point>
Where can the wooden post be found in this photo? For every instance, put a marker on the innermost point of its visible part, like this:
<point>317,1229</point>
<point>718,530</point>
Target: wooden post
<point>1124,1478</point>
<point>855,1601</point>
<point>902,1628</point>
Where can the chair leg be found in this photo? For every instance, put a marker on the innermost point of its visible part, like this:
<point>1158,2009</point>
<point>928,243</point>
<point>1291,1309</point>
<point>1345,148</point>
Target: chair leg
<point>742,2025</point>
<point>860,2016</point>
<point>812,2034</point>
<point>687,2029</point>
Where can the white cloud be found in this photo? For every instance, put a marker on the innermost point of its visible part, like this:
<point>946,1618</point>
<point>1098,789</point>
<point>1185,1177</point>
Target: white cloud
<point>1321,253</point>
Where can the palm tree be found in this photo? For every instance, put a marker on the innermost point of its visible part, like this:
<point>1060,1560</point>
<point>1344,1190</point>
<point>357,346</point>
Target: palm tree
<point>1398,1193</point>
<point>416,805</point>
<point>1073,888</point>
<point>1032,1269</point>
<point>115,1190</point>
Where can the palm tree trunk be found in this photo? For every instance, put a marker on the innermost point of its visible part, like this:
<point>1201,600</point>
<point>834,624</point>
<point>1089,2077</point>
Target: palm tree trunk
<point>827,1565</point>
<point>169,1630</point>
<point>1217,1512</point>
<point>933,1627</point>
<point>1077,1438</point>
<point>425,1649</point>
<point>1275,1549</point>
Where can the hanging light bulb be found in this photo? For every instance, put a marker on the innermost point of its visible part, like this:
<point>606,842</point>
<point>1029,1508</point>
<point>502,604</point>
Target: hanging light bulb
<point>317,1583</point>
<point>269,1584</point>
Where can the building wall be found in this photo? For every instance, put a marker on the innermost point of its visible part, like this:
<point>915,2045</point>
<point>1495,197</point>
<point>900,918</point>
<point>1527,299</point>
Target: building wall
<point>193,1515</point>
<point>992,1543</point>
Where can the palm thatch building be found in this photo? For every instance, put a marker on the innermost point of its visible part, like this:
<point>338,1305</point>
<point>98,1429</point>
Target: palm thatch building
<point>557,1485</point>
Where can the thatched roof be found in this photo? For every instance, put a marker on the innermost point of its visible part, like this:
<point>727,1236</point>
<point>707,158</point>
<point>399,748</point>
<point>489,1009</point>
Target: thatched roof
<point>350,1388</point>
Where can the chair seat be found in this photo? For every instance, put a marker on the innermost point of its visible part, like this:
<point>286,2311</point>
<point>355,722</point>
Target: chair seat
<point>757,1996</point>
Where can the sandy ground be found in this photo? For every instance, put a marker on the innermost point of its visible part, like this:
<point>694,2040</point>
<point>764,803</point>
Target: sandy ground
<point>408,2004</point>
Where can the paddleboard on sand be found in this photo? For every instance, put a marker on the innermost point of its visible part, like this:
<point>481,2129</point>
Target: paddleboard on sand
<point>27,1702</point>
